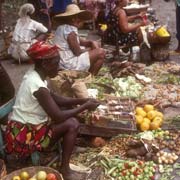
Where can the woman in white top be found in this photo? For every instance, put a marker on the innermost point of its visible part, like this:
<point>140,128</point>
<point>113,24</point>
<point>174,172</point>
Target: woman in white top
<point>26,32</point>
<point>72,55</point>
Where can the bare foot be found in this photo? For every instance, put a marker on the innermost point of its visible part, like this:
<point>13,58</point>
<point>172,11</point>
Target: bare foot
<point>68,174</point>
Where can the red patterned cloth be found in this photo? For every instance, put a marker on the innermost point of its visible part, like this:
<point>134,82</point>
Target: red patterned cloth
<point>25,139</point>
<point>42,50</point>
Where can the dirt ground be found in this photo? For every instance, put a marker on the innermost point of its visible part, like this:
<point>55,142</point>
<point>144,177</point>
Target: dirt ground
<point>164,11</point>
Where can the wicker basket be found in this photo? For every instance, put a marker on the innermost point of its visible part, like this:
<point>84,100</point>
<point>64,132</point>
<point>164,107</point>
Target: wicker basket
<point>2,169</point>
<point>32,171</point>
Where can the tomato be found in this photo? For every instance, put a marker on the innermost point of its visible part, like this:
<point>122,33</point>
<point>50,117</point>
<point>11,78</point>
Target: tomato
<point>51,176</point>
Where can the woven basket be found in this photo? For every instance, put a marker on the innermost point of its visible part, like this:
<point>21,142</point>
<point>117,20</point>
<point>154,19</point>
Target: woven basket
<point>62,83</point>
<point>2,169</point>
<point>32,171</point>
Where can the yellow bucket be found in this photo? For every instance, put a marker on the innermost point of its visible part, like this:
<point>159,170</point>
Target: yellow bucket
<point>162,32</point>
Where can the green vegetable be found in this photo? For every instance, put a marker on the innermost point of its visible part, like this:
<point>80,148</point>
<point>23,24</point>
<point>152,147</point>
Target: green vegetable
<point>111,170</point>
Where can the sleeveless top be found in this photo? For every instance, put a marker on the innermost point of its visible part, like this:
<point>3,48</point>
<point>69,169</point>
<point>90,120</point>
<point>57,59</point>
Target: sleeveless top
<point>115,35</point>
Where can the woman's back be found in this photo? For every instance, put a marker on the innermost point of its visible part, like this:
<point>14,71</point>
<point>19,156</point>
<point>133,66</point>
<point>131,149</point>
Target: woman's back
<point>27,29</point>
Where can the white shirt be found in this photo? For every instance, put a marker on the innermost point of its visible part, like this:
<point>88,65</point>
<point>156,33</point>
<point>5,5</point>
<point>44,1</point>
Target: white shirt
<point>27,108</point>
<point>27,29</point>
<point>61,35</point>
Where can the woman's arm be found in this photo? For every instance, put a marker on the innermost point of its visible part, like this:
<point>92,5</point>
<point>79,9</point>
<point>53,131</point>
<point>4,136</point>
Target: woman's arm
<point>123,23</point>
<point>89,43</point>
<point>52,109</point>
<point>137,16</point>
<point>133,17</point>
<point>67,101</point>
<point>74,44</point>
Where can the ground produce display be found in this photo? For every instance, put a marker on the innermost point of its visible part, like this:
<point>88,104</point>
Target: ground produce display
<point>148,118</point>
<point>129,170</point>
<point>136,156</point>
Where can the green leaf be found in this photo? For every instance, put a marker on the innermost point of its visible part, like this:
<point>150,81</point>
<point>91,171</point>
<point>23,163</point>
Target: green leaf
<point>45,142</point>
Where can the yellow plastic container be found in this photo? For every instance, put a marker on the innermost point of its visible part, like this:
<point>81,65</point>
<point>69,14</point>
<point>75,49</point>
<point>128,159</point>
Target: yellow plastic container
<point>162,32</point>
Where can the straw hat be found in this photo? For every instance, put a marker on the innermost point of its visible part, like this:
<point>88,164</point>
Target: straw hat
<point>73,9</point>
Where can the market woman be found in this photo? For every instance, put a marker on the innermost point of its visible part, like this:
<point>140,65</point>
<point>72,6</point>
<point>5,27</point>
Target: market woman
<point>73,55</point>
<point>119,30</point>
<point>26,32</point>
<point>37,119</point>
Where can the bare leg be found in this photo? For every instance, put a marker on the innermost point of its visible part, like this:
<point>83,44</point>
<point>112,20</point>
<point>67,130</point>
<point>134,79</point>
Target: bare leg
<point>96,60</point>
<point>68,130</point>
<point>96,67</point>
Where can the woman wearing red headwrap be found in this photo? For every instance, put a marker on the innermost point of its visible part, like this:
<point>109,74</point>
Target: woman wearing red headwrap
<point>38,119</point>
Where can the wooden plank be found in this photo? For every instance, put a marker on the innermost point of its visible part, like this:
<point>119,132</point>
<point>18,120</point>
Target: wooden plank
<point>104,131</point>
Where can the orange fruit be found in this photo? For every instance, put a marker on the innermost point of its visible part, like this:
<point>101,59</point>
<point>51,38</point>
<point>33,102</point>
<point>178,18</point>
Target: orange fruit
<point>140,111</point>
<point>148,107</point>
<point>139,119</point>
<point>159,114</point>
<point>144,126</point>
<point>154,125</point>
<point>147,120</point>
<point>151,114</point>
<point>158,120</point>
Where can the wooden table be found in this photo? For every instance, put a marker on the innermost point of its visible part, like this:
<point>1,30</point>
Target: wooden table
<point>104,131</point>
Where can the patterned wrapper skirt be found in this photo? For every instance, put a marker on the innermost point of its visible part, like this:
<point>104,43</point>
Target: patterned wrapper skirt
<point>24,139</point>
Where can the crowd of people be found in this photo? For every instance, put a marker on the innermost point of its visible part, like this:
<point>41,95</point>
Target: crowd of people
<point>38,114</point>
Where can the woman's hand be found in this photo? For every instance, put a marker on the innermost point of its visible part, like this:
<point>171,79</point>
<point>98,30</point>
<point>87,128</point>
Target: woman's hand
<point>92,104</point>
<point>95,45</point>
<point>142,14</point>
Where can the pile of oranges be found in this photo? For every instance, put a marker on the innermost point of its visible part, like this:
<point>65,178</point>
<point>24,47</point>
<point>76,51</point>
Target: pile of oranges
<point>148,118</point>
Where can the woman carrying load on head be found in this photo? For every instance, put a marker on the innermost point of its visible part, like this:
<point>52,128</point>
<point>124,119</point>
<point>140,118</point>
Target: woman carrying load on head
<point>74,54</point>
<point>26,32</point>
<point>38,119</point>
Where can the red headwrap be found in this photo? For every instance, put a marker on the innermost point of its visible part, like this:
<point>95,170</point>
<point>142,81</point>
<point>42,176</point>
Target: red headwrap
<point>42,50</point>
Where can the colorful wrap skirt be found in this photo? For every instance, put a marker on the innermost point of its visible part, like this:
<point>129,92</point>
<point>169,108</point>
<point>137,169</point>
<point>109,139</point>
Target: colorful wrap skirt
<point>24,139</point>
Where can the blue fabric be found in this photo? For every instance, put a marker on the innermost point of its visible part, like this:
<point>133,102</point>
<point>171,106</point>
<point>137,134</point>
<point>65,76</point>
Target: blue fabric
<point>6,108</point>
<point>59,6</point>
<point>178,23</point>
